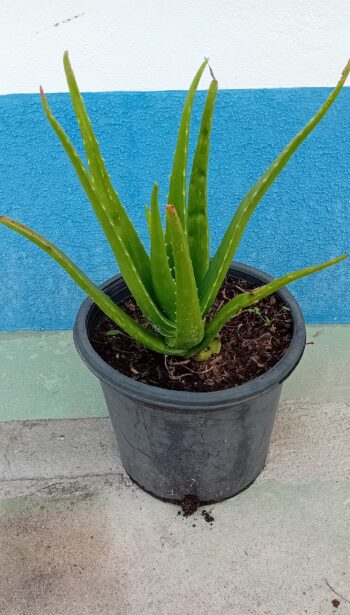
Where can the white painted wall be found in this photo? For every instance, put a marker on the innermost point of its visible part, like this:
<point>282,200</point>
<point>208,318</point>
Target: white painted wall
<point>157,44</point>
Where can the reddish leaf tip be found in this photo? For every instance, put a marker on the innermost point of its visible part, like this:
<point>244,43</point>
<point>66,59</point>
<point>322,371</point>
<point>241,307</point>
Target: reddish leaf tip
<point>170,209</point>
<point>212,73</point>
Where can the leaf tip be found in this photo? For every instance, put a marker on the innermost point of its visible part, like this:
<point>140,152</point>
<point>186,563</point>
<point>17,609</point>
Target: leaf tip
<point>212,73</point>
<point>170,209</point>
<point>66,60</point>
<point>346,70</point>
<point>340,258</point>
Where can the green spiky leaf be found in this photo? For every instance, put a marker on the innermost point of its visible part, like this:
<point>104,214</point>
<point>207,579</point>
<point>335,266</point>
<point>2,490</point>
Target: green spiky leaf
<point>163,281</point>
<point>234,307</point>
<point>189,323</point>
<point>137,288</point>
<point>197,211</point>
<point>177,187</point>
<point>103,186</point>
<point>113,332</point>
<point>219,265</point>
<point>105,303</point>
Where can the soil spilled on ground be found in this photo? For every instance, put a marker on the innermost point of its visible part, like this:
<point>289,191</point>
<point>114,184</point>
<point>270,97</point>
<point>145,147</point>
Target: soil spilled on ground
<point>190,504</point>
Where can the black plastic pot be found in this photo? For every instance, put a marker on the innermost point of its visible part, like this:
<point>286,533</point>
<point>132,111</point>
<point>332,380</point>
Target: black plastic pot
<point>172,443</point>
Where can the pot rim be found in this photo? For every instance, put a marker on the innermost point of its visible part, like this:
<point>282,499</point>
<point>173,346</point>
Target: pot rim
<point>192,400</point>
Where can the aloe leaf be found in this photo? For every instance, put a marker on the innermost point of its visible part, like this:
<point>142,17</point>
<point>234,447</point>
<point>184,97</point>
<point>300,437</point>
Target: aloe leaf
<point>127,266</point>
<point>219,265</point>
<point>113,332</point>
<point>213,348</point>
<point>138,290</point>
<point>84,177</point>
<point>189,323</point>
<point>197,210</point>
<point>105,303</point>
<point>103,185</point>
<point>237,304</point>
<point>177,187</point>
<point>162,279</point>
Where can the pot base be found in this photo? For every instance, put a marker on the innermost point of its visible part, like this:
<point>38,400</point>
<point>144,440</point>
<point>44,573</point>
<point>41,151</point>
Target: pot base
<point>200,502</point>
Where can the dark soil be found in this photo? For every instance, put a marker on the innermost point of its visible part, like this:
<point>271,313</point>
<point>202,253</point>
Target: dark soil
<point>189,505</point>
<point>251,344</point>
<point>208,517</point>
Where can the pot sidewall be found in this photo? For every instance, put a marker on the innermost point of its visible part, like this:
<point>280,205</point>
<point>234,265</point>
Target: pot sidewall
<point>212,455</point>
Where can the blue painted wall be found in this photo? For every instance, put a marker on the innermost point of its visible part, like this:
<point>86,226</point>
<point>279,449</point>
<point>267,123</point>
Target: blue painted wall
<point>303,220</point>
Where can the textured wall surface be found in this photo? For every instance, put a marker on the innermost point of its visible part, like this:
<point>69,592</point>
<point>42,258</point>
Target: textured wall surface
<point>271,49</point>
<point>304,219</point>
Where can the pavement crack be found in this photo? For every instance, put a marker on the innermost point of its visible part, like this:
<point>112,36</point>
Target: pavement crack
<point>121,475</point>
<point>6,455</point>
<point>337,593</point>
<point>6,452</point>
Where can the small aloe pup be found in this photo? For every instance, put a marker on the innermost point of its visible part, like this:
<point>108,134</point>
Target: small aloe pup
<point>176,284</point>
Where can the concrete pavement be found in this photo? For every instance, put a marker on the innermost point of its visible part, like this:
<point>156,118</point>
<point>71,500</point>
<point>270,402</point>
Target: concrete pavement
<point>77,537</point>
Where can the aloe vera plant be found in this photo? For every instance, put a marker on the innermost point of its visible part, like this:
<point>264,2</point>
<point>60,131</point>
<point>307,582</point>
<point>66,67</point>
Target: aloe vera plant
<point>176,284</point>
